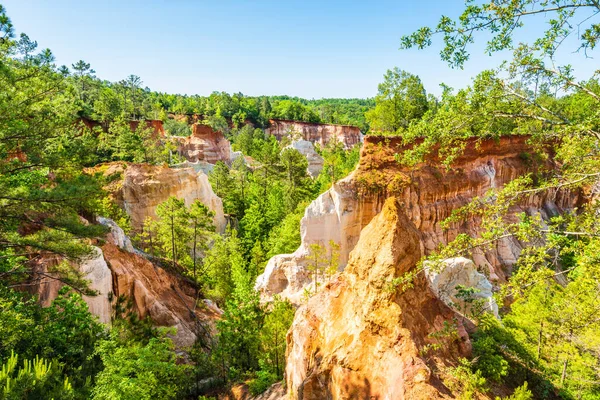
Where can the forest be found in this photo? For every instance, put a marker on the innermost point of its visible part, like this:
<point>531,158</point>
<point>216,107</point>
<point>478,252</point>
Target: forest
<point>545,342</point>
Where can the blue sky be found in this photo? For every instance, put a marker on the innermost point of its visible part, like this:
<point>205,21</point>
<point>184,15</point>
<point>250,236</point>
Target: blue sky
<point>307,48</point>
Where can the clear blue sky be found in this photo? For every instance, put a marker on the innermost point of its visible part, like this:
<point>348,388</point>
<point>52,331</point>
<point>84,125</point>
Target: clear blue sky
<point>307,48</point>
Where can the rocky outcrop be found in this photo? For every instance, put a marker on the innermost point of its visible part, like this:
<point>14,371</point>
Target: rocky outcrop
<point>96,271</point>
<point>429,192</point>
<point>445,279</point>
<point>164,296</point>
<point>315,161</point>
<point>116,235</point>
<point>242,392</point>
<point>363,338</point>
<point>168,299</point>
<point>155,125</point>
<point>204,144</point>
<point>322,134</point>
<point>139,188</point>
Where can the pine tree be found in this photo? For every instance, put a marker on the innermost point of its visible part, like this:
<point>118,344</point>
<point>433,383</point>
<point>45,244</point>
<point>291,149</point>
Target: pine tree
<point>173,230</point>
<point>316,262</point>
<point>201,230</point>
<point>273,333</point>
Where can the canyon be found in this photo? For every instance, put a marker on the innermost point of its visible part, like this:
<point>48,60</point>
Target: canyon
<point>430,193</point>
<point>115,269</point>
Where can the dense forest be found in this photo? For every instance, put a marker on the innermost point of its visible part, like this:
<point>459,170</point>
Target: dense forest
<point>105,101</point>
<point>546,341</point>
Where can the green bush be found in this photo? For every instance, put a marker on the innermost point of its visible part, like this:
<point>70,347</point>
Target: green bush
<point>264,379</point>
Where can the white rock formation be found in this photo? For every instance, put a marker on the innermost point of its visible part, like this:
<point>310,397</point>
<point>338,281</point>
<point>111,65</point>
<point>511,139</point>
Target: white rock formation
<point>459,271</point>
<point>334,215</point>
<point>97,272</point>
<point>117,235</point>
<point>145,187</point>
<point>315,161</point>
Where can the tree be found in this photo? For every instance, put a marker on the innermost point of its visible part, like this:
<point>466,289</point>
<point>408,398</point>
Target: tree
<point>132,85</point>
<point>316,262</point>
<point>201,220</point>
<point>273,333</point>
<point>140,371</point>
<point>36,379</point>
<point>173,230</point>
<point>239,328</point>
<point>221,182</point>
<point>65,334</point>
<point>84,75</point>
<point>43,187</point>
<point>297,181</point>
<point>333,156</point>
<point>177,128</point>
<point>401,99</point>
<point>333,260</point>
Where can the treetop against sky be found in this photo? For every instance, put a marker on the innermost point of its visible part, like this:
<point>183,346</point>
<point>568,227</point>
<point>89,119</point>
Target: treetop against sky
<point>310,49</point>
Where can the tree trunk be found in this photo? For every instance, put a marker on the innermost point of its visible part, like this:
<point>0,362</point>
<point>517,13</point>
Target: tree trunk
<point>173,241</point>
<point>276,353</point>
<point>539,347</point>
<point>194,253</point>
<point>563,376</point>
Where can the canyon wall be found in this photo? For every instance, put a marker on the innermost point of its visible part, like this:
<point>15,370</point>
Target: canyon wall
<point>155,124</point>
<point>140,188</point>
<point>322,134</point>
<point>204,144</point>
<point>429,192</point>
<point>116,269</point>
<point>362,338</point>
<point>315,161</point>
<point>167,298</point>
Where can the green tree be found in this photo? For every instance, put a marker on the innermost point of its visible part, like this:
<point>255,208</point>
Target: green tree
<point>333,259</point>
<point>217,282</point>
<point>65,333</point>
<point>173,230</point>
<point>177,128</point>
<point>401,99</point>
<point>316,262</point>
<point>298,183</point>
<point>277,322</point>
<point>201,224</point>
<point>239,328</point>
<point>43,187</point>
<point>35,379</point>
<point>140,371</point>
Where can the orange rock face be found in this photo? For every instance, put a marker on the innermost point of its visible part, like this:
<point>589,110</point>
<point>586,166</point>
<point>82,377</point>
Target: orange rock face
<point>360,337</point>
<point>315,133</point>
<point>204,144</point>
<point>429,192</point>
<point>166,298</point>
<point>142,187</point>
<point>154,124</point>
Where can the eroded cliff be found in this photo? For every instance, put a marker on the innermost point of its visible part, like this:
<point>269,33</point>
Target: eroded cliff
<point>428,191</point>
<point>315,133</point>
<point>140,188</point>
<point>204,145</point>
<point>116,269</point>
<point>360,337</point>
